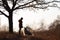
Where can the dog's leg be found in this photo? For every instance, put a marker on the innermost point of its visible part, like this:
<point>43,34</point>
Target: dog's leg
<point>23,32</point>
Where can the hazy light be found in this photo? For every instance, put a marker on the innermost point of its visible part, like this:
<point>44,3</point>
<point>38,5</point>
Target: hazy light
<point>32,18</point>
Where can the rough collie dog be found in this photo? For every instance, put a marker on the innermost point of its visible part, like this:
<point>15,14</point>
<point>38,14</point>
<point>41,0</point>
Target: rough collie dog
<point>26,31</point>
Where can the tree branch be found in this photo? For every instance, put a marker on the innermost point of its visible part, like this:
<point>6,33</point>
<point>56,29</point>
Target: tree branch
<point>24,7</point>
<point>3,13</point>
<point>14,3</point>
<point>5,5</point>
<point>48,2</point>
<point>24,4</point>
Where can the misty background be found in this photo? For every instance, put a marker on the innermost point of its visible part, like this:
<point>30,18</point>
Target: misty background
<point>31,17</point>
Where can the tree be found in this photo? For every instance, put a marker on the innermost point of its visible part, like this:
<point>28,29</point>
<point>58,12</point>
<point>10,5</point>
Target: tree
<point>10,11</point>
<point>5,5</point>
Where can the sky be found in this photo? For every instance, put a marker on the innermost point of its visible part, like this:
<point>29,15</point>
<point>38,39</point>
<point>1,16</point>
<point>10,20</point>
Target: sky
<point>32,18</point>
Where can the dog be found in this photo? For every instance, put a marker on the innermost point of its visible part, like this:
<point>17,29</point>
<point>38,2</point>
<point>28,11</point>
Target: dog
<point>26,31</point>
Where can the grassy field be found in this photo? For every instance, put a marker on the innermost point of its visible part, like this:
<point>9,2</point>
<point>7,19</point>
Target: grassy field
<point>42,35</point>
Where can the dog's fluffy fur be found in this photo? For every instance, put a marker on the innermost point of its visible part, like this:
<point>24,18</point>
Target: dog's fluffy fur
<point>23,32</point>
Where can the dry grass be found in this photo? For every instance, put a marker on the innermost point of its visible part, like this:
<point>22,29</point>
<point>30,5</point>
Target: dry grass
<point>53,34</point>
<point>43,35</point>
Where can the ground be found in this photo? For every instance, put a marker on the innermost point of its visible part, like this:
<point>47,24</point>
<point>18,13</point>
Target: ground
<point>38,35</point>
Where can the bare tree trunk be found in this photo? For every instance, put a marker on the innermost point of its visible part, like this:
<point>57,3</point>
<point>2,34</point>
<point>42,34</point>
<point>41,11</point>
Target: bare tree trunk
<point>10,22</point>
